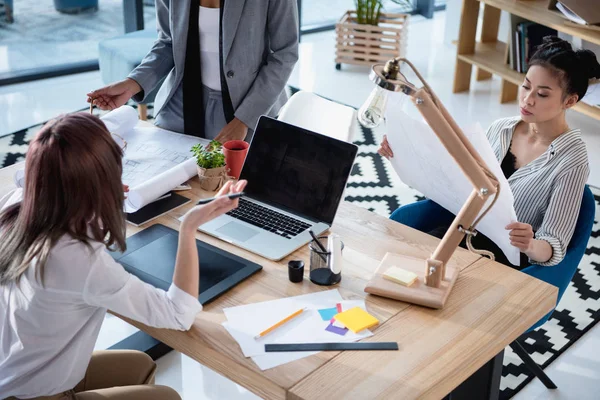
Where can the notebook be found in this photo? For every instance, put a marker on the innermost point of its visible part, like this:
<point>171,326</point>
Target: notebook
<point>156,209</point>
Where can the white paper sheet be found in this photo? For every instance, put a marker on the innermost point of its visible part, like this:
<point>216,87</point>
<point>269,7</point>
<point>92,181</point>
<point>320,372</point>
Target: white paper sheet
<point>422,162</point>
<point>592,96</point>
<point>120,121</point>
<point>244,322</point>
<point>20,178</point>
<point>155,160</point>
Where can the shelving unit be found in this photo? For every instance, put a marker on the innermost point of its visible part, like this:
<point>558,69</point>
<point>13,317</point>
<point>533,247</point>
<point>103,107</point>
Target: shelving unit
<point>489,54</point>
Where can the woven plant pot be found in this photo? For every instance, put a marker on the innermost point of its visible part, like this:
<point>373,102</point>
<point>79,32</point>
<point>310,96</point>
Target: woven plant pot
<point>212,179</point>
<point>363,44</point>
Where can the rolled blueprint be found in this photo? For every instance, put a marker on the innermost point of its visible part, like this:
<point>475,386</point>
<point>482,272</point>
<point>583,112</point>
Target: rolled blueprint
<point>121,120</point>
<point>155,160</point>
<point>152,189</point>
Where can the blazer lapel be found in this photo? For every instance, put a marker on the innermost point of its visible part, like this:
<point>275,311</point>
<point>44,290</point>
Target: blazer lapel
<point>231,18</point>
<point>179,33</point>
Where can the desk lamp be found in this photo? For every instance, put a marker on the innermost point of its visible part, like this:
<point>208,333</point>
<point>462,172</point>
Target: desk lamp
<point>435,278</point>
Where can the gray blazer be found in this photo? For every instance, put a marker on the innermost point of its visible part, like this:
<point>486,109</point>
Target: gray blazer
<point>260,49</point>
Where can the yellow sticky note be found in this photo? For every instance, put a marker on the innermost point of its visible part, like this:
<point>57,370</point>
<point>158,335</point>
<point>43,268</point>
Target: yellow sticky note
<point>401,276</point>
<point>356,319</point>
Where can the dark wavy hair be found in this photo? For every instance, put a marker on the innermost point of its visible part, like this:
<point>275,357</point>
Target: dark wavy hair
<point>574,68</point>
<point>72,187</point>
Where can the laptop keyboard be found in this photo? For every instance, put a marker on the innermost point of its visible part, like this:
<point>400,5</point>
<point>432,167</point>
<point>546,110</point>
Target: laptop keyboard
<point>267,219</point>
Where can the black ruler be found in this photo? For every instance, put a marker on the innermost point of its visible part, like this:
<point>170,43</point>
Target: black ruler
<point>331,346</point>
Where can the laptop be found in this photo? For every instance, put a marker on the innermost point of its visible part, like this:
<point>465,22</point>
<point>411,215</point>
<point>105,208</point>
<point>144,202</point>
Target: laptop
<point>296,180</point>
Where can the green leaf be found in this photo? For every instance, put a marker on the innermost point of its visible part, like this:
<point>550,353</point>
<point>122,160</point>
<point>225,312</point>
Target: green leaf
<point>208,158</point>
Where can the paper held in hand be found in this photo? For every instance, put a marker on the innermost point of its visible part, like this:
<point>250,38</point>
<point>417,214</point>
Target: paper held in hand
<point>155,160</point>
<point>423,163</point>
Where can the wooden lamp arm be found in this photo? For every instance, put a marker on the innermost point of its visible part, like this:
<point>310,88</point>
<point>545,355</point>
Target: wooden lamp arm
<point>484,182</point>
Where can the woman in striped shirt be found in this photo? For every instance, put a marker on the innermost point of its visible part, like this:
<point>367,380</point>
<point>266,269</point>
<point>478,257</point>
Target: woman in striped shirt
<point>544,160</point>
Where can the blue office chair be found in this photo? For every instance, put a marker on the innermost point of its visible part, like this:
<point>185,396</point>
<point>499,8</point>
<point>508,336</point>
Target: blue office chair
<point>426,215</point>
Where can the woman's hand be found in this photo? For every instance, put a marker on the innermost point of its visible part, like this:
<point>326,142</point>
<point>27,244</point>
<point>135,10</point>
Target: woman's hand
<point>384,149</point>
<point>235,130</point>
<point>200,215</point>
<point>521,236</point>
<point>125,189</point>
<point>114,95</point>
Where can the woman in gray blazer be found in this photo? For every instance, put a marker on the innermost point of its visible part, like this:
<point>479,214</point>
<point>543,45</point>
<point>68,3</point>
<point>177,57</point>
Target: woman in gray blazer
<point>224,64</point>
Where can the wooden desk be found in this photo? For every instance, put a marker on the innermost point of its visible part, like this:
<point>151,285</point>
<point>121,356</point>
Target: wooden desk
<point>490,306</point>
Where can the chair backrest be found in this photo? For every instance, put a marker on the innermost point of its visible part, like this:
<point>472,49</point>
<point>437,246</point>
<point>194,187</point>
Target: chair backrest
<point>312,112</point>
<point>560,275</point>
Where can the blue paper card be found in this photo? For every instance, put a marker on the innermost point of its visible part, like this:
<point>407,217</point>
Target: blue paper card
<point>328,313</point>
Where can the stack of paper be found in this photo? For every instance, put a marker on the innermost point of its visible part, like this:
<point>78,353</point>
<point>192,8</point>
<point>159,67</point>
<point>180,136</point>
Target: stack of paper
<point>312,326</point>
<point>155,160</point>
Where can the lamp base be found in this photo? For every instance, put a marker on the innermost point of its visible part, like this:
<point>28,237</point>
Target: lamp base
<point>418,292</point>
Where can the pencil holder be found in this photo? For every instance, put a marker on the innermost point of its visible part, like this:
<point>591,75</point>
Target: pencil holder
<point>320,264</point>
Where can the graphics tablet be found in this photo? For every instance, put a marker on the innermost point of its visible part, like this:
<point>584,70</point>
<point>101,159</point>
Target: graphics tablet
<point>151,256</point>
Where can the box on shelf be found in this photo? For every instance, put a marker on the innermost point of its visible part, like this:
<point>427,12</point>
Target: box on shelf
<point>363,44</point>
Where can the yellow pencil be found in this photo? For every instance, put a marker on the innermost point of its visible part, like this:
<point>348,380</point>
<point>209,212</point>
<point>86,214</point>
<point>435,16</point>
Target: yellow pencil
<point>277,325</point>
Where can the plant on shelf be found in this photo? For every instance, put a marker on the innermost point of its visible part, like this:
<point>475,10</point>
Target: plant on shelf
<point>210,160</point>
<point>368,35</point>
<point>368,12</point>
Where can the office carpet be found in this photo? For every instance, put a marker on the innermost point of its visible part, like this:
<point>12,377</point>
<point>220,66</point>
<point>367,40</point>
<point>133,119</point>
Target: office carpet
<point>375,186</point>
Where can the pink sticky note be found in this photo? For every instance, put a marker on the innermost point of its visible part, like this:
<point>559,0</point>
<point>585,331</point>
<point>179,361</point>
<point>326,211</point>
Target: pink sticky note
<point>336,323</point>
<point>339,307</point>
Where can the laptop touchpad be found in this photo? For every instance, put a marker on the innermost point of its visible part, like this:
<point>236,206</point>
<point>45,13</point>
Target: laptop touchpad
<point>237,231</point>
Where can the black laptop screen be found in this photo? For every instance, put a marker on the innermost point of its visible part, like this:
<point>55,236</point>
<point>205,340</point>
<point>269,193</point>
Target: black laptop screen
<point>297,170</point>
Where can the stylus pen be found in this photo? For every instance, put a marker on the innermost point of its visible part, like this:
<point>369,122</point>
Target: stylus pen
<point>231,196</point>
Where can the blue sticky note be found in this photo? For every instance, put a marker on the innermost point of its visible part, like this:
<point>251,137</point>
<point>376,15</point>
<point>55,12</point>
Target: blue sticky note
<point>328,313</point>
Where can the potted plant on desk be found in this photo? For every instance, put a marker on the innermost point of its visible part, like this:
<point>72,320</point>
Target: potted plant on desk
<point>211,165</point>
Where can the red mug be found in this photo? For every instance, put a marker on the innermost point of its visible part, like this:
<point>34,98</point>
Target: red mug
<point>235,152</point>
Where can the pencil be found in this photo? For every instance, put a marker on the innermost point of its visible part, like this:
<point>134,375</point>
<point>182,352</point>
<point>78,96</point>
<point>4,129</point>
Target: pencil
<point>91,106</point>
<point>277,325</point>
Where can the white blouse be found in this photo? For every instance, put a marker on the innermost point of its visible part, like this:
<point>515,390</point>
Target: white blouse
<point>47,333</point>
<point>209,21</point>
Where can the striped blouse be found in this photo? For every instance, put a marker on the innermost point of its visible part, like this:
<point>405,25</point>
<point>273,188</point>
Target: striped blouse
<point>548,190</point>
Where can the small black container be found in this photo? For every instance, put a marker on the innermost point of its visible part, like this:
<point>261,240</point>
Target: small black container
<point>296,270</point>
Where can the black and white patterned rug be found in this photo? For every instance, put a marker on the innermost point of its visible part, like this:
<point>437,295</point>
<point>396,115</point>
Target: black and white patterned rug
<point>375,186</point>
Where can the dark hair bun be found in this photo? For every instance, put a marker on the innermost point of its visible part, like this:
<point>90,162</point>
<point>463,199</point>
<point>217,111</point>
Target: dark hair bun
<point>554,43</point>
<point>575,68</point>
<point>589,63</point>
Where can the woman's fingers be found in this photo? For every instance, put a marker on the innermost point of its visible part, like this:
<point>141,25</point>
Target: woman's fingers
<point>384,149</point>
<point>240,185</point>
<point>522,241</point>
<point>225,189</point>
<point>386,146</point>
<point>520,233</point>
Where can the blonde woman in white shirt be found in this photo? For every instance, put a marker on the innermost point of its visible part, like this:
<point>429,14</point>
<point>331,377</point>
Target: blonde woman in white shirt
<point>57,281</point>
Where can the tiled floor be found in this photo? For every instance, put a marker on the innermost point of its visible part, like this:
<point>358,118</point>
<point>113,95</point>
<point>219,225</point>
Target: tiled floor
<point>577,372</point>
